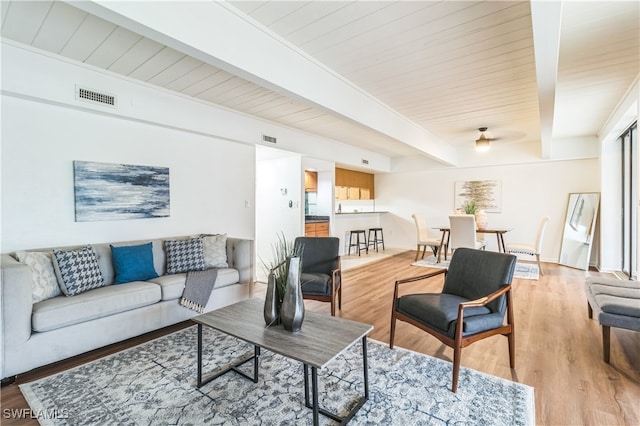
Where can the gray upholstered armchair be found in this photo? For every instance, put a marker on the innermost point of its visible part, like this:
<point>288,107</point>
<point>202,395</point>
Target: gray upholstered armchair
<point>321,277</point>
<point>472,305</point>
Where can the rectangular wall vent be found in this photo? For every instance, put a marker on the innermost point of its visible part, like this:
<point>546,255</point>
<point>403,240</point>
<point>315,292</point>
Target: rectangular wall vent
<point>365,161</point>
<point>269,139</point>
<point>95,97</point>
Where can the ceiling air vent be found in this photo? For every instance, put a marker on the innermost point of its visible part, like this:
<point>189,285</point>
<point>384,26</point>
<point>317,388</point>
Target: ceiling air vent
<point>365,161</point>
<point>270,139</point>
<point>95,97</point>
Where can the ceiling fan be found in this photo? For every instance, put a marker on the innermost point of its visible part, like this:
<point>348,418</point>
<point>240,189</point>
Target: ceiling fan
<point>483,142</point>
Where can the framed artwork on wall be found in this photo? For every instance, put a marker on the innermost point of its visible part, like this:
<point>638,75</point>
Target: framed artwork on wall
<point>105,191</point>
<point>487,194</point>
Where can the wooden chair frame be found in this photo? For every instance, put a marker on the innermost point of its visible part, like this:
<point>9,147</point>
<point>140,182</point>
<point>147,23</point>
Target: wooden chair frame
<point>459,341</point>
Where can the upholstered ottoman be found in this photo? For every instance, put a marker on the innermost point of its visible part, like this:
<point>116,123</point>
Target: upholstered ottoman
<point>617,304</point>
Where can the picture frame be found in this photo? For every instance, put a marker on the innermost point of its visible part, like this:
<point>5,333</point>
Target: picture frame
<point>105,191</point>
<point>487,194</point>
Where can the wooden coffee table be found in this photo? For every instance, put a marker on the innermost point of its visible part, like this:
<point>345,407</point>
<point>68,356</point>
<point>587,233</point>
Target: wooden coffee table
<point>321,339</point>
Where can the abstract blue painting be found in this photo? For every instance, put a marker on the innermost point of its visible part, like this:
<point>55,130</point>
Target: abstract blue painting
<point>106,191</point>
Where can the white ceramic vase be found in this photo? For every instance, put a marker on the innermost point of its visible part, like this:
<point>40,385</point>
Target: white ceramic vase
<point>481,219</point>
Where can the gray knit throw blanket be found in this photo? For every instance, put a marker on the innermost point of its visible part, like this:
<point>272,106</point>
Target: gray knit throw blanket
<point>197,289</point>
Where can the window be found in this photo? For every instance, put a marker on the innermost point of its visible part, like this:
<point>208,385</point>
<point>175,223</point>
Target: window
<point>629,176</point>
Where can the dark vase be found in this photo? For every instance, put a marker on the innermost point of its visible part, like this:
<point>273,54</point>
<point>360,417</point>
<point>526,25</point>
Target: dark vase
<point>271,302</point>
<point>292,309</point>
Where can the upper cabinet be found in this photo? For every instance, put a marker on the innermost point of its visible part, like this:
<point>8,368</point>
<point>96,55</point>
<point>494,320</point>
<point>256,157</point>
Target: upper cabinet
<point>352,185</point>
<point>311,181</point>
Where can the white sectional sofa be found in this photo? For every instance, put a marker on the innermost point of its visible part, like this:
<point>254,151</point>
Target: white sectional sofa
<point>40,333</point>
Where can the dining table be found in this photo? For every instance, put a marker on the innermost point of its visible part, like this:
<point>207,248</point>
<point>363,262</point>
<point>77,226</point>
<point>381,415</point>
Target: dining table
<point>498,231</point>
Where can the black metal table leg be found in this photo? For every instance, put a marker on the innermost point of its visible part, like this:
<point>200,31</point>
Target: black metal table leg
<point>306,386</point>
<point>233,367</point>
<point>256,355</point>
<point>314,405</point>
<point>365,367</point>
<point>314,384</point>
<point>199,355</point>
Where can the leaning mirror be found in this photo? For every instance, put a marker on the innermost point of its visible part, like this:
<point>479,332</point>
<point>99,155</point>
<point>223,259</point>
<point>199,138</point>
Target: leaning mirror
<point>579,228</point>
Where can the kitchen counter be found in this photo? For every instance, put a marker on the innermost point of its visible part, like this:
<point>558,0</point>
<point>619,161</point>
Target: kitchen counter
<point>316,219</point>
<point>372,212</point>
<point>348,221</point>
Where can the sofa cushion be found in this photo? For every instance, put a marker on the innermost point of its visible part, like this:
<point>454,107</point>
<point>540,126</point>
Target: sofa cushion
<point>215,251</point>
<point>618,305</point>
<point>64,311</point>
<point>184,255</point>
<point>133,263</point>
<point>173,285</point>
<point>77,270</point>
<point>441,312</point>
<point>45,282</point>
<point>625,292</point>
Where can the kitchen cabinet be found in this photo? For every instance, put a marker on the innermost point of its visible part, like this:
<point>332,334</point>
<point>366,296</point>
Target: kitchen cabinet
<point>310,181</point>
<point>352,185</point>
<point>347,193</point>
<point>316,229</point>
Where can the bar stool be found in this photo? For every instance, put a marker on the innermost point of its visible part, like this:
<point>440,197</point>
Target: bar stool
<point>358,242</point>
<point>375,239</point>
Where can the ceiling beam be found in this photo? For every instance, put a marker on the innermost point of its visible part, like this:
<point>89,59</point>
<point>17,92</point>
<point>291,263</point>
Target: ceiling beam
<point>218,34</point>
<point>546,17</point>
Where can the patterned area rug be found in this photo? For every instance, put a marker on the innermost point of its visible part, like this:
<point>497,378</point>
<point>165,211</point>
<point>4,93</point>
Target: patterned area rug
<point>154,384</point>
<point>524,271</point>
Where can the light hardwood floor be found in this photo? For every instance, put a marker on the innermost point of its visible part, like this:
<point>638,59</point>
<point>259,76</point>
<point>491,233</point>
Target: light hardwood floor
<point>558,349</point>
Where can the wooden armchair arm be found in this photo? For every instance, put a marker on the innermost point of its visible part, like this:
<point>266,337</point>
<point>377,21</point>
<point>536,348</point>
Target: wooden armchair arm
<point>421,277</point>
<point>336,273</point>
<point>414,279</point>
<point>483,301</point>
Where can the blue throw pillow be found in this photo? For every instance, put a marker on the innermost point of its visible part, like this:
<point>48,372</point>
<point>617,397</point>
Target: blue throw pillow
<point>133,263</point>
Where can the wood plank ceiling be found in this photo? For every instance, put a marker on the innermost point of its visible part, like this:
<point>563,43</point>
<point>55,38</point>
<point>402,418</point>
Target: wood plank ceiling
<point>449,67</point>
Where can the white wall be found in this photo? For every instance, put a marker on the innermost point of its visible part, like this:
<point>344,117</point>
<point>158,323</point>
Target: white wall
<point>277,171</point>
<point>326,185</point>
<point>41,141</point>
<point>209,150</point>
<point>529,191</point>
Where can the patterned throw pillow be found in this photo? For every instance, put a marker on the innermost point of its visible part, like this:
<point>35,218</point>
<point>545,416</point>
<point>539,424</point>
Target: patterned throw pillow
<point>77,270</point>
<point>45,283</point>
<point>215,251</point>
<point>184,255</point>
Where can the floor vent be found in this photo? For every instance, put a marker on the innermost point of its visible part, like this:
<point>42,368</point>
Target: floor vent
<point>270,139</point>
<point>95,97</point>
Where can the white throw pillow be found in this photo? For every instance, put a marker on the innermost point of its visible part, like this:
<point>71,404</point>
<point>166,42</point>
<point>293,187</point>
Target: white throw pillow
<point>215,251</point>
<point>45,283</point>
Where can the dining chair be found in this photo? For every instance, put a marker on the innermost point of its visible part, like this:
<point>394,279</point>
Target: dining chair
<point>424,240</point>
<point>531,249</point>
<point>472,305</point>
<point>321,277</point>
<point>462,232</point>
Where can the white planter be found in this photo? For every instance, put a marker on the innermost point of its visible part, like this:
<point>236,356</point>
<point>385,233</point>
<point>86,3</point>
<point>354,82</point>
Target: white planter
<point>481,219</point>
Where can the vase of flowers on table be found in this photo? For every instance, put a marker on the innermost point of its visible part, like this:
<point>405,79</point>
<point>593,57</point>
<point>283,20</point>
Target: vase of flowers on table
<point>283,299</point>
